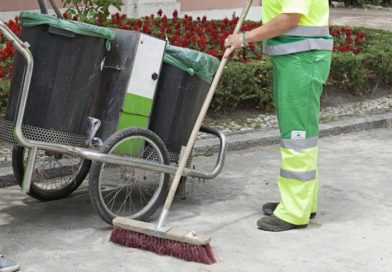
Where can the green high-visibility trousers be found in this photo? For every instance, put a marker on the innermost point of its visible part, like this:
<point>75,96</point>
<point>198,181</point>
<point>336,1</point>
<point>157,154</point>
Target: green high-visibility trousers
<point>298,84</point>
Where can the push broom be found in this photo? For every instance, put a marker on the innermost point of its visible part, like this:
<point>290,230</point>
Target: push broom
<point>158,238</point>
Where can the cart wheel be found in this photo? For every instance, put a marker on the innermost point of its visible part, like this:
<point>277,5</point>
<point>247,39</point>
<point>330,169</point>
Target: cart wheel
<point>55,175</point>
<point>126,191</point>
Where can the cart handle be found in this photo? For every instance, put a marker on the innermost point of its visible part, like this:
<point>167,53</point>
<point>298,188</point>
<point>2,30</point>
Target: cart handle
<point>42,6</point>
<point>44,9</point>
<point>23,49</point>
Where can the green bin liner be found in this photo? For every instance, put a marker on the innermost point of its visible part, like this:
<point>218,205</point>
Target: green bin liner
<point>195,63</point>
<point>31,19</point>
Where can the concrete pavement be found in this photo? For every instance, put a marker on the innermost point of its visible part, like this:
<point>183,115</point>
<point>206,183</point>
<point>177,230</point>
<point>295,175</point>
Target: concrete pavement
<point>362,17</point>
<point>350,233</point>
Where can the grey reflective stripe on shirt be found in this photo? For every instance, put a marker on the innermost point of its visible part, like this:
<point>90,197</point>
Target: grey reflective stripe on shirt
<point>301,176</point>
<point>299,143</point>
<point>300,46</point>
<point>309,31</point>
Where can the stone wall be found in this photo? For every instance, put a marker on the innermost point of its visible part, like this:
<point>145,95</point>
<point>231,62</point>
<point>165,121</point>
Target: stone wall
<point>138,8</point>
<point>10,8</point>
<point>192,5</point>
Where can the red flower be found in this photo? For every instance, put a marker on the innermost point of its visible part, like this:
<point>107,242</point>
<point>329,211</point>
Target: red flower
<point>360,35</point>
<point>358,40</point>
<point>11,70</point>
<point>344,48</point>
<point>176,41</point>
<point>138,23</point>
<point>115,20</point>
<point>213,52</point>
<point>185,42</point>
<point>356,50</point>
<point>2,72</point>
<point>146,29</point>
<point>202,43</point>
<point>125,27</point>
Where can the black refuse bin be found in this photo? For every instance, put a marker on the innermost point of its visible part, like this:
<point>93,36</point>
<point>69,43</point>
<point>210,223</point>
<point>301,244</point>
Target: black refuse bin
<point>128,82</point>
<point>67,67</point>
<point>182,88</point>
<point>114,81</point>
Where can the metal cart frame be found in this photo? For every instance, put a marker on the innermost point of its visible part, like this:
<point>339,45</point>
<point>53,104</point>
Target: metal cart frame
<point>87,153</point>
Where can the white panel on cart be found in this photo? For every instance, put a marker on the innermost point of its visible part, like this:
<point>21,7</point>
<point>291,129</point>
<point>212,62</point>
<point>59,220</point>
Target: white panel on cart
<point>148,61</point>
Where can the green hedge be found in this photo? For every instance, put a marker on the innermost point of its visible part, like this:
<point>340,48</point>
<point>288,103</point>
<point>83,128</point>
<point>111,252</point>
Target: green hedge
<point>4,87</point>
<point>245,84</point>
<point>250,84</point>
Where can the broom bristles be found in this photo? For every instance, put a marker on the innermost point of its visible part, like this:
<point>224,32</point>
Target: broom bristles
<point>161,246</point>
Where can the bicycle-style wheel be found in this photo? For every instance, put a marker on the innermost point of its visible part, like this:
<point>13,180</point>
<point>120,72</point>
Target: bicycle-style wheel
<point>117,190</point>
<point>55,175</point>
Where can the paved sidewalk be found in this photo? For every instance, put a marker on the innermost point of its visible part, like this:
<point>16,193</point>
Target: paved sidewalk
<point>260,137</point>
<point>372,18</point>
<point>365,17</point>
<point>350,233</point>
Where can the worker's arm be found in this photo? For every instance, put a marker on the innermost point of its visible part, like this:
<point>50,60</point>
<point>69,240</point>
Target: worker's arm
<point>277,26</point>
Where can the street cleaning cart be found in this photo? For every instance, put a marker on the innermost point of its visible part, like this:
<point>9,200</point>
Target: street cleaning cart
<point>122,99</point>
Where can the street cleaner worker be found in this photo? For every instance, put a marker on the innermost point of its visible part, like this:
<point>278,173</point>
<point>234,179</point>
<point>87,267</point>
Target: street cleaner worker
<point>296,36</point>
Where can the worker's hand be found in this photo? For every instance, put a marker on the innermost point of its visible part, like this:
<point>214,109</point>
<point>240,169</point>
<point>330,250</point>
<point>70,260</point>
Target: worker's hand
<point>234,40</point>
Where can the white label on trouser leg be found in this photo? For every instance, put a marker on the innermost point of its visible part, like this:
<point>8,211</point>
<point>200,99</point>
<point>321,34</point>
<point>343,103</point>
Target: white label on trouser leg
<point>296,135</point>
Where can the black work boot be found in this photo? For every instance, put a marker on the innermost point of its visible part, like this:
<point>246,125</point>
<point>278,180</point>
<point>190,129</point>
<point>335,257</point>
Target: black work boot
<point>269,208</point>
<point>272,223</point>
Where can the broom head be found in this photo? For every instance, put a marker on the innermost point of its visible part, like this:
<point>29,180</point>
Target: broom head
<point>174,242</point>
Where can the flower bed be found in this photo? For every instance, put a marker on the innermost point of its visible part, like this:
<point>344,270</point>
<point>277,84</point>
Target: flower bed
<point>359,56</point>
<point>7,51</point>
<point>7,56</point>
<point>208,36</point>
<point>196,33</point>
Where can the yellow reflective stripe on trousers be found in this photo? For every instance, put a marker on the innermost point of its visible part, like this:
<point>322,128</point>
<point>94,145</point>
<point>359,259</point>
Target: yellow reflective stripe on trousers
<point>304,160</point>
<point>299,46</point>
<point>309,31</point>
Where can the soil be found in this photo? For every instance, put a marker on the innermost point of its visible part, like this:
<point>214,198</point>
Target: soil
<point>331,97</point>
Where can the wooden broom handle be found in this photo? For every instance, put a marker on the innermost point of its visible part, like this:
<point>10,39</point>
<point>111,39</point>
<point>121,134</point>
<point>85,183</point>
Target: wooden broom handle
<point>188,149</point>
